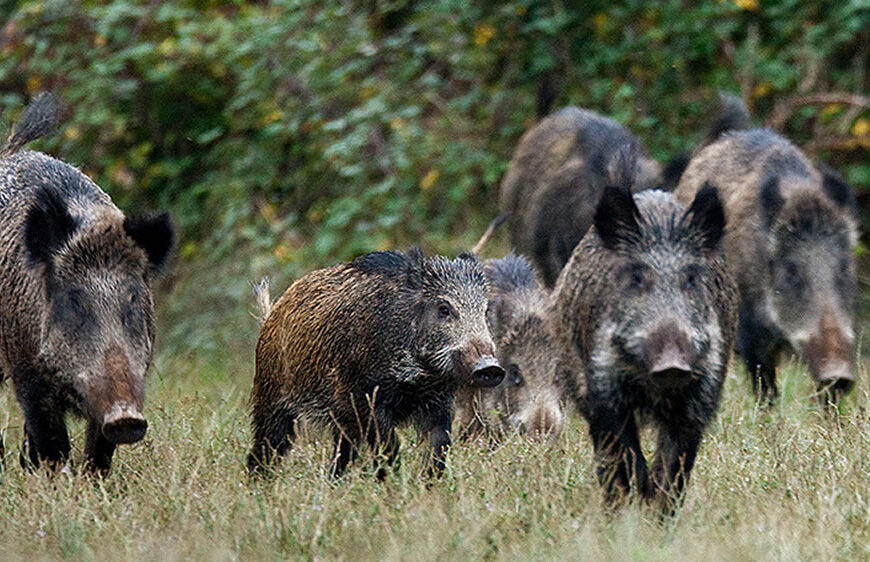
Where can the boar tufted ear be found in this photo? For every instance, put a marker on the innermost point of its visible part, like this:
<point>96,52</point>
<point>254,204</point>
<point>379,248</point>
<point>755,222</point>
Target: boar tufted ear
<point>414,267</point>
<point>770,200</point>
<point>48,226</point>
<point>707,217</point>
<point>836,187</point>
<point>499,311</point>
<point>152,233</point>
<point>616,217</point>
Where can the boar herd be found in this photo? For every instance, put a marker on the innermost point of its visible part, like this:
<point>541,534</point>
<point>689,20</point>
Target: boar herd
<point>632,286</point>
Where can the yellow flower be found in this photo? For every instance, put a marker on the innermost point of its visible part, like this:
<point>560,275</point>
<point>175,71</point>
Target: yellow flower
<point>166,47</point>
<point>762,90</point>
<point>273,116</point>
<point>281,252</point>
<point>72,132</point>
<point>34,83</point>
<point>599,22</point>
<point>429,179</point>
<point>861,128</point>
<point>483,32</point>
<point>748,5</point>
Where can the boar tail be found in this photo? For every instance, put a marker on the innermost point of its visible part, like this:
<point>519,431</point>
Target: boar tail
<point>264,300</point>
<point>40,118</point>
<point>733,116</point>
<point>496,222</point>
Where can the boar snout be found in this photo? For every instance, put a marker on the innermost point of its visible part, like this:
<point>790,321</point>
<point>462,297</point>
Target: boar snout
<point>544,422</point>
<point>124,424</point>
<point>669,355</point>
<point>829,353</point>
<point>487,372</point>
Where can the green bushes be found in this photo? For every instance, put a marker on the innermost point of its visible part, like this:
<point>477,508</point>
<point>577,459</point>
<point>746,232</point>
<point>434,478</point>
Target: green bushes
<point>319,130</point>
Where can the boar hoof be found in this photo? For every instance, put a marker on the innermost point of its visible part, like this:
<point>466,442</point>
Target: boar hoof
<point>487,372</point>
<point>124,424</point>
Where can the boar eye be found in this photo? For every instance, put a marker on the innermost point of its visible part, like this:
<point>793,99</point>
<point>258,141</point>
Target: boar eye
<point>514,377</point>
<point>844,267</point>
<point>445,311</point>
<point>692,277</point>
<point>635,277</point>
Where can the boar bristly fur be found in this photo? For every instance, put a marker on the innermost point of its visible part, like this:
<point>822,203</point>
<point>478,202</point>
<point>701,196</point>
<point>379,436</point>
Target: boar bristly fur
<point>790,241</point>
<point>556,176</point>
<point>76,312</point>
<point>649,306</point>
<point>529,399</point>
<point>367,346</point>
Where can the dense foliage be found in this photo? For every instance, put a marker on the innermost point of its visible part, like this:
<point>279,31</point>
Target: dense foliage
<point>329,128</point>
<point>289,134</point>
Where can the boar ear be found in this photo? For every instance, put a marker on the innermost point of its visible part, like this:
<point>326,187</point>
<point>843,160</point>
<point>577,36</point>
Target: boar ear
<point>616,217</point>
<point>770,200</point>
<point>414,267</point>
<point>706,216</point>
<point>48,226</point>
<point>498,313</point>
<point>154,234</point>
<point>836,187</point>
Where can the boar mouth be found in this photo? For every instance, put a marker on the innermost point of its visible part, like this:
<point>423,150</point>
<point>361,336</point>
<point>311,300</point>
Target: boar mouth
<point>487,372</point>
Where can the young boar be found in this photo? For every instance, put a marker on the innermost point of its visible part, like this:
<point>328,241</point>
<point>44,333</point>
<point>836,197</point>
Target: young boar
<point>529,397</point>
<point>648,304</point>
<point>790,241</point>
<point>76,315</point>
<point>368,346</point>
<point>557,175</point>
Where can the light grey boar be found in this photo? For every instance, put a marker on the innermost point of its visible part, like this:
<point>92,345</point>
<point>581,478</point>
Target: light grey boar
<point>556,176</point>
<point>529,399</point>
<point>791,241</point>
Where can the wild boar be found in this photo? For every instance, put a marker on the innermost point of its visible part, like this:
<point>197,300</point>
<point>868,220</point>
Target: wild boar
<point>76,311</point>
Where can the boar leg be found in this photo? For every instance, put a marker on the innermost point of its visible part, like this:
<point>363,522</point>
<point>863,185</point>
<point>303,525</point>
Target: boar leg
<point>757,344</point>
<point>346,449</point>
<point>437,426</point>
<point>384,444</point>
<point>674,459</point>
<point>46,437</point>
<point>617,448</point>
<point>98,450</point>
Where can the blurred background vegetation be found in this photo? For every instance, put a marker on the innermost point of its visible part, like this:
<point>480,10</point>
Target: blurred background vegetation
<point>285,135</point>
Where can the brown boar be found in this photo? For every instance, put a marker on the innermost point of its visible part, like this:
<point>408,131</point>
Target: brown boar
<point>791,240</point>
<point>367,346</point>
<point>649,307</point>
<point>76,312</point>
<point>556,176</point>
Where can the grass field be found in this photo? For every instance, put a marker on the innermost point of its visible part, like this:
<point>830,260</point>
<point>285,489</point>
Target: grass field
<point>787,484</point>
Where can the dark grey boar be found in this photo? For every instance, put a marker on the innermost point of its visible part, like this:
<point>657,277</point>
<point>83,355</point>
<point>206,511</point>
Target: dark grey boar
<point>76,315</point>
<point>529,399</point>
<point>370,345</point>
<point>557,174</point>
<point>791,240</point>
<point>650,307</point>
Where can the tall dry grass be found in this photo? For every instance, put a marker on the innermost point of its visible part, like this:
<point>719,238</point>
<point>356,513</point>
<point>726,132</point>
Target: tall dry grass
<point>785,484</point>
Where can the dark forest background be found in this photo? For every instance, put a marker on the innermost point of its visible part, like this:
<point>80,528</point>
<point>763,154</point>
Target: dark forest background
<point>290,134</point>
